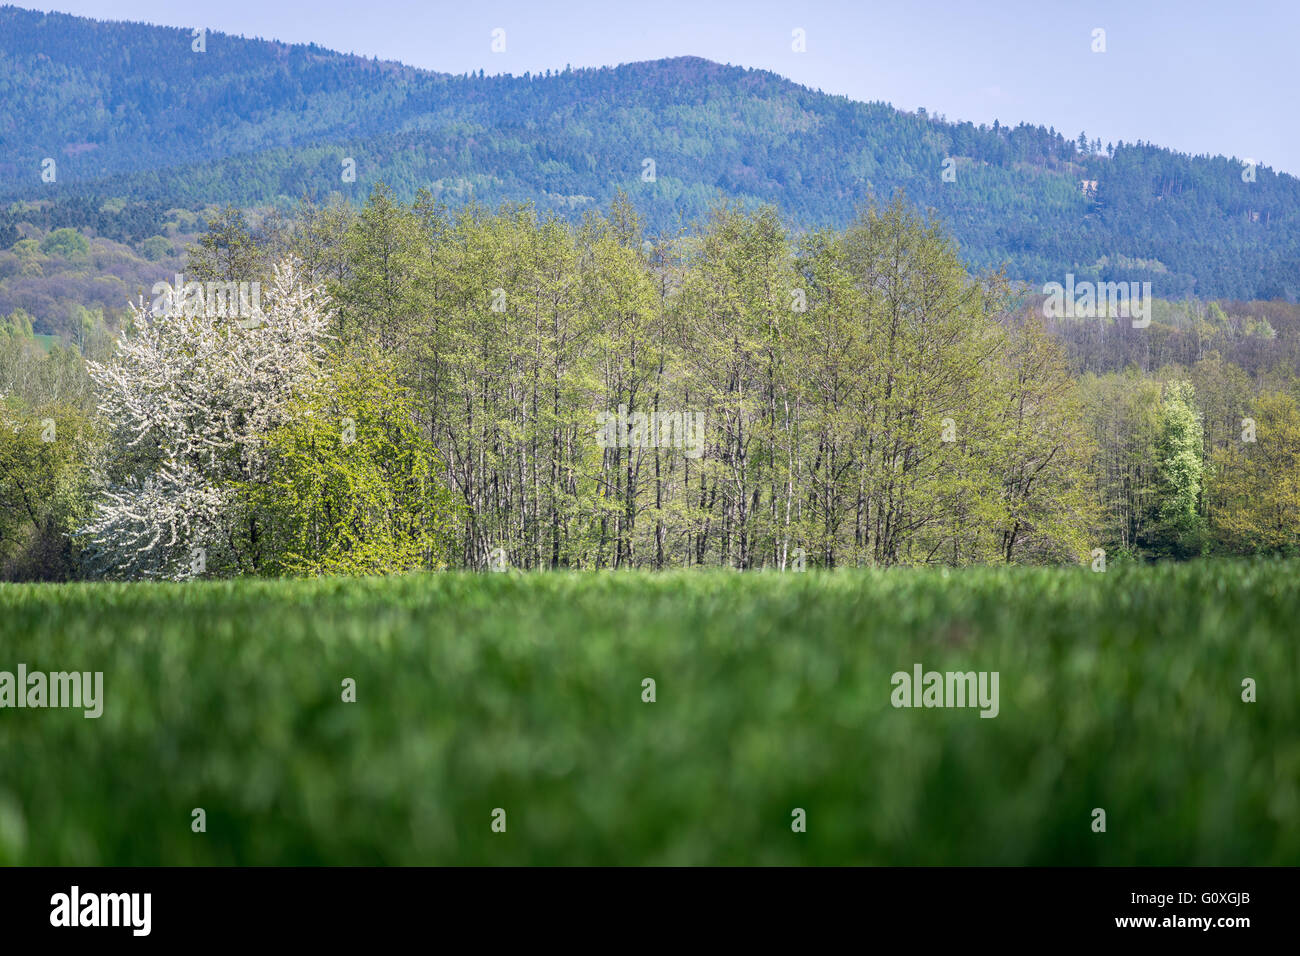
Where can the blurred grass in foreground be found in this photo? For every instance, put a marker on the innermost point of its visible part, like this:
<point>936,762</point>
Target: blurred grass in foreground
<point>1119,690</point>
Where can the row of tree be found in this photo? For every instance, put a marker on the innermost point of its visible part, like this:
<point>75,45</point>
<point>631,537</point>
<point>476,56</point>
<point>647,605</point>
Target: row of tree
<point>478,389</point>
<point>864,399</point>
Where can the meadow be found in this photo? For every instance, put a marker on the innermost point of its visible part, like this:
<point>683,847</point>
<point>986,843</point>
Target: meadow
<point>524,692</point>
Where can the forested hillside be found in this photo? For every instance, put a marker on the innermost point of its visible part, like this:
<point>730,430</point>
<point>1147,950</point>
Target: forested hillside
<point>132,114</point>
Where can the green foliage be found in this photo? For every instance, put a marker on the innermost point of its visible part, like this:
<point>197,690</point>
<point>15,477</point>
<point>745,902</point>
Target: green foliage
<point>44,489</point>
<point>1260,481</point>
<point>226,250</point>
<point>822,375</point>
<point>1120,690</point>
<point>1179,470</point>
<point>1210,465</point>
<point>55,289</point>
<point>155,248</point>
<point>16,326</point>
<point>1122,412</point>
<point>27,252</point>
<point>38,371</point>
<point>353,486</point>
<point>862,398</point>
<point>66,243</point>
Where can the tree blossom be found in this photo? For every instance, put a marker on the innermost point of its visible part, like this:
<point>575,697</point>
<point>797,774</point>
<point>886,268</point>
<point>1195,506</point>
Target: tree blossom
<point>188,397</point>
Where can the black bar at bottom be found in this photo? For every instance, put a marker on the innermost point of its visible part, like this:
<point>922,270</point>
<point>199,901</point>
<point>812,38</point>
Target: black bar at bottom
<point>659,906</point>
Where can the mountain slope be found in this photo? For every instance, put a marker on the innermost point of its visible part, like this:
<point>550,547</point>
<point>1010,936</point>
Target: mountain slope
<point>129,110</point>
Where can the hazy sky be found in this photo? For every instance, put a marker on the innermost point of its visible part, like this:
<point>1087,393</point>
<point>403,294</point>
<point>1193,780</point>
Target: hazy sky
<point>1201,76</point>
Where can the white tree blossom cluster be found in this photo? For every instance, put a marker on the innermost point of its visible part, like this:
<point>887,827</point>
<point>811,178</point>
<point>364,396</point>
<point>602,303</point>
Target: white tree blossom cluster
<point>188,399</point>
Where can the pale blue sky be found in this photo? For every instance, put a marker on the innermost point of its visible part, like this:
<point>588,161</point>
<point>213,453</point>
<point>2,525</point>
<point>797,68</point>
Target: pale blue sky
<point>1201,76</point>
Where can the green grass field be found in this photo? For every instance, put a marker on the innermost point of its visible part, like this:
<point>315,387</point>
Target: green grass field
<point>474,692</point>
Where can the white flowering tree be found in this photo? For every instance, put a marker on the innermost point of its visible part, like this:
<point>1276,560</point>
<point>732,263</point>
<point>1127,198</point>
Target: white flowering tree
<point>188,397</point>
